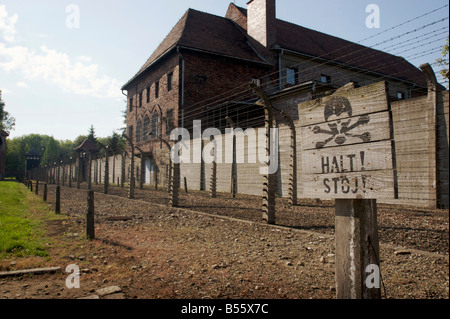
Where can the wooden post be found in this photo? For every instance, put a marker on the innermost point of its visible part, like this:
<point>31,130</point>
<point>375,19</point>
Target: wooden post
<point>185,185</point>
<point>36,191</point>
<point>90,217</point>
<point>58,200</point>
<point>45,192</point>
<point>357,249</point>
<point>31,186</point>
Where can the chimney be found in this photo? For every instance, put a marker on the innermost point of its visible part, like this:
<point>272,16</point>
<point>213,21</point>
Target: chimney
<point>261,25</point>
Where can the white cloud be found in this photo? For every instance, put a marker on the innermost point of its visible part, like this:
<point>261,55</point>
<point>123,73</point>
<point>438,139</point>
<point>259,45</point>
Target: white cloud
<point>85,58</point>
<point>77,76</point>
<point>22,85</point>
<point>7,29</point>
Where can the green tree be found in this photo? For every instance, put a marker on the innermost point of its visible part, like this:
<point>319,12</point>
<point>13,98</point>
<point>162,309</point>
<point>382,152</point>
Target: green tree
<point>19,146</point>
<point>52,152</point>
<point>91,135</point>
<point>443,62</point>
<point>116,143</point>
<point>7,122</point>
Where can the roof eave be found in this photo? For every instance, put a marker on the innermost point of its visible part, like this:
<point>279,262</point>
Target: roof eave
<point>225,55</point>
<point>278,47</point>
<point>126,85</point>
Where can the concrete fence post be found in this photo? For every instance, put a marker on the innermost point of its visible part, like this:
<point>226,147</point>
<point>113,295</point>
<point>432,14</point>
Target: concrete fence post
<point>58,200</point>
<point>270,179</point>
<point>175,189</point>
<point>213,180</point>
<point>45,192</point>
<point>90,216</point>
<point>106,177</point>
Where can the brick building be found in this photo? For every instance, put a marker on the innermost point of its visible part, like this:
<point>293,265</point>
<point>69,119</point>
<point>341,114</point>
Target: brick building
<point>205,56</point>
<point>3,136</point>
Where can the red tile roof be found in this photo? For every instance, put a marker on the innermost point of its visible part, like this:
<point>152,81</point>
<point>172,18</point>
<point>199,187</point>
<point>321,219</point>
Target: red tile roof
<point>206,32</point>
<point>87,146</point>
<point>202,31</point>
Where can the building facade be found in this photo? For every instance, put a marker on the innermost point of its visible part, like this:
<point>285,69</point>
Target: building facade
<point>205,57</point>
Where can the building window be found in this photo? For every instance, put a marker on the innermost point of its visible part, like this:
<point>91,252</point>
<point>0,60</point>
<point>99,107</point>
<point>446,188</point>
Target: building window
<point>148,95</point>
<point>154,125</point>
<point>290,76</point>
<point>131,105</point>
<point>170,81</point>
<point>169,122</point>
<point>401,95</point>
<point>146,128</point>
<point>157,89</point>
<point>140,99</point>
<point>325,79</point>
<point>139,131</point>
<point>130,131</point>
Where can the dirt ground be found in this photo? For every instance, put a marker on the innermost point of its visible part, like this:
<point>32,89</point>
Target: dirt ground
<point>220,249</point>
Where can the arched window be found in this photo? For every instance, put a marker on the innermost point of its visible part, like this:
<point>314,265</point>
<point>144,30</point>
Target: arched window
<point>146,128</point>
<point>139,131</point>
<point>155,124</point>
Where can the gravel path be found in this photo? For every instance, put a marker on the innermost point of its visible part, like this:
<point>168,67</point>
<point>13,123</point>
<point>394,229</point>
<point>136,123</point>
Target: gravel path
<point>151,251</point>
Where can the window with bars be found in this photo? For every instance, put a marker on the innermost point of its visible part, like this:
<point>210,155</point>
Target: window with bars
<point>130,131</point>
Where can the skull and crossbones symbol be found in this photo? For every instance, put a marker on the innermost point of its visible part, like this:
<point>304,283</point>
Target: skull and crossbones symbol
<point>338,110</point>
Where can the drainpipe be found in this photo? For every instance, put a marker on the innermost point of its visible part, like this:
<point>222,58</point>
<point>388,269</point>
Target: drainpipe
<point>280,83</point>
<point>410,90</point>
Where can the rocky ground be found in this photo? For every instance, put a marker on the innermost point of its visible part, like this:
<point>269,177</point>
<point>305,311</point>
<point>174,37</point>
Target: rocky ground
<point>219,248</point>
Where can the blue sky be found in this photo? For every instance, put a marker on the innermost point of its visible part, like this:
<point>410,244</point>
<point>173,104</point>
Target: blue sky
<point>58,80</point>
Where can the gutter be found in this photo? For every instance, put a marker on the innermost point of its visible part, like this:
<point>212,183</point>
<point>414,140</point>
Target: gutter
<point>280,56</point>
